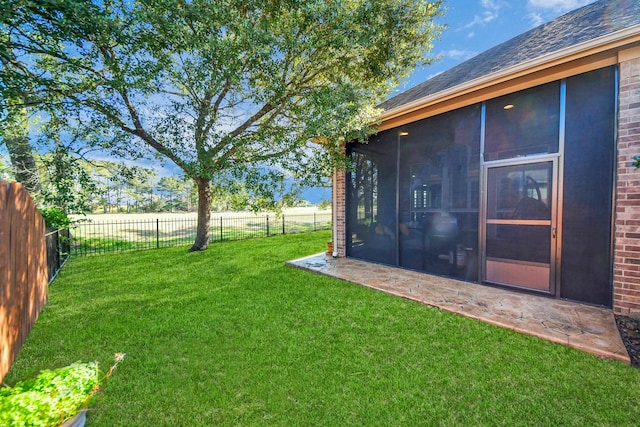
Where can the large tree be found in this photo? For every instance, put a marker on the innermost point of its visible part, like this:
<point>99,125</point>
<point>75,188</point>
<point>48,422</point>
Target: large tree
<point>225,89</point>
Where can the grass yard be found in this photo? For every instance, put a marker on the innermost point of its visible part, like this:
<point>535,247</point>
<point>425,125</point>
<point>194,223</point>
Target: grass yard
<point>232,336</point>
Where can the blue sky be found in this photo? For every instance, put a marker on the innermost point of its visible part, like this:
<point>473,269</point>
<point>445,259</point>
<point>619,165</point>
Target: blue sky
<point>474,26</point>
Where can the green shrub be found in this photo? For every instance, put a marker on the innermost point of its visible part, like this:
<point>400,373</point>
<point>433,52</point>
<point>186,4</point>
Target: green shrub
<point>51,398</point>
<point>55,218</point>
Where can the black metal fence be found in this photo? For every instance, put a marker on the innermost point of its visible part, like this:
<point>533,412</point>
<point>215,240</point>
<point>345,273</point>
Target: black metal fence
<point>58,251</point>
<point>101,237</point>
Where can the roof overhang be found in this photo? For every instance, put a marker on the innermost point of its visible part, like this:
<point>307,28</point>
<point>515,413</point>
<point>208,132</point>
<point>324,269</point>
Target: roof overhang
<point>597,53</point>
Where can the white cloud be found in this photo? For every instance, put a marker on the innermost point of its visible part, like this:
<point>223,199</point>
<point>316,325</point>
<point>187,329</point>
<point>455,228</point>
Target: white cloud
<point>490,4</point>
<point>541,11</point>
<point>433,75</point>
<point>470,35</point>
<point>458,54</point>
<point>559,5</point>
<point>536,19</point>
<point>485,18</point>
<point>489,13</point>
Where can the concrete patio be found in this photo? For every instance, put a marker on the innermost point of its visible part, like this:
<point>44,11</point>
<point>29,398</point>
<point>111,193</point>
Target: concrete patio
<point>588,328</point>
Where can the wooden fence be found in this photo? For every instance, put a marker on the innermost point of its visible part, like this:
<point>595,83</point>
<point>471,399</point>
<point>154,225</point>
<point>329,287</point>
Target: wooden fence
<point>23,270</point>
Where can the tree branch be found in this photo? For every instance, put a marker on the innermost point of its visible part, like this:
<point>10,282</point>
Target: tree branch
<point>251,120</point>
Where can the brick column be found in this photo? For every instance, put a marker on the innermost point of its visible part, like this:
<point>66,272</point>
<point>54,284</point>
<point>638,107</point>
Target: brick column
<point>626,279</point>
<point>339,204</point>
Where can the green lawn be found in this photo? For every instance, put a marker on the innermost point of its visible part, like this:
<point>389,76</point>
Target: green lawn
<point>232,336</point>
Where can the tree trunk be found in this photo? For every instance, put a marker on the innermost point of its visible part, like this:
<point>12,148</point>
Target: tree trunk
<point>23,163</point>
<point>14,131</point>
<point>204,215</point>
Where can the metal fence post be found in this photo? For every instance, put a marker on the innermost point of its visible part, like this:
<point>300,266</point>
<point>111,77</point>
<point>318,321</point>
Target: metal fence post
<point>267,225</point>
<point>58,250</point>
<point>221,230</point>
<point>314,221</point>
<point>283,231</point>
<point>157,233</point>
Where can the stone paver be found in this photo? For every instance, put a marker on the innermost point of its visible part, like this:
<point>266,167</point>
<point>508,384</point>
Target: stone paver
<point>588,328</point>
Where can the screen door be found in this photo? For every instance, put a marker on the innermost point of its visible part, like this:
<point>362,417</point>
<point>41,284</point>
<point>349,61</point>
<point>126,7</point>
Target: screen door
<point>520,226</point>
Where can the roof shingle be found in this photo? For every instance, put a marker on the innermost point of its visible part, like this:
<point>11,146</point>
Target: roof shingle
<point>581,25</point>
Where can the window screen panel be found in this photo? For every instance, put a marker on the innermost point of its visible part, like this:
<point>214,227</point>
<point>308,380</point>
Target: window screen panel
<point>439,194</point>
<point>589,168</point>
<point>371,216</point>
<point>523,123</point>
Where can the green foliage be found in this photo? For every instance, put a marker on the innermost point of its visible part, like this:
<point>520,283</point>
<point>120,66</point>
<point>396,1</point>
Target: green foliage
<point>49,399</point>
<point>324,204</point>
<point>221,88</point>
<point>5,170</point>
<point>67,184</point>
<point>55,218</point>
<point>117,181</point>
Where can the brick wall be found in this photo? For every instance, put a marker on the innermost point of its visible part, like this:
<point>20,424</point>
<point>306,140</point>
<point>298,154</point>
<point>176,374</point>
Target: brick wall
<point>626,293</point>
<point>340,240</point>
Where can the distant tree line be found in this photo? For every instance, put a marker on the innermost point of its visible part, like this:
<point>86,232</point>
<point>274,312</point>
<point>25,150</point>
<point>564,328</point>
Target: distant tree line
<point>81,186</point>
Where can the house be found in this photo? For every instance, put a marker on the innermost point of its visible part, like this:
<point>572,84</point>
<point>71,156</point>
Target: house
<point>514,168</point>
